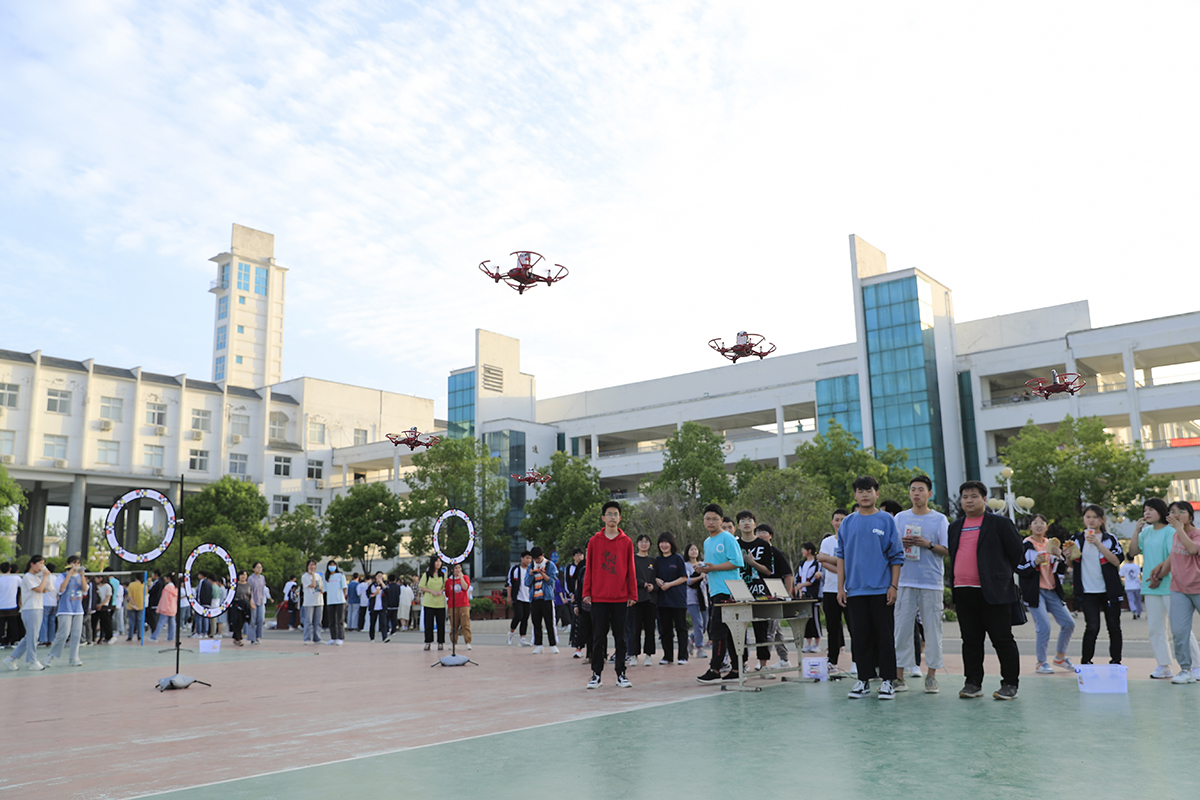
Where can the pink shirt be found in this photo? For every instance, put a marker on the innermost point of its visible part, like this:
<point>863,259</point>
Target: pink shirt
<point>1185,568</point>
<point>168,604</point>
<point>1045,581</point>
<point>966,561</point>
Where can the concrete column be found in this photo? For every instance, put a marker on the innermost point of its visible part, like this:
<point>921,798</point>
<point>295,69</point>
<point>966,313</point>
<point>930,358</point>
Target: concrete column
<point>77,517</point>
<point>35,529</point>
<point>779,433</point>
<point>595,446</point>
<point>126,529</point>
<point>1135,411</point>
<point>396,471</point>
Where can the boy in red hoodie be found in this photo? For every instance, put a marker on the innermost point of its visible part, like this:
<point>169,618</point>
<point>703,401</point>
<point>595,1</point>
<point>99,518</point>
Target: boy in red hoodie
<point>609,588</point>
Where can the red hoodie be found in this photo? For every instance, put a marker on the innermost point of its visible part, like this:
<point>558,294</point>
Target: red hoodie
<point>610,576</point>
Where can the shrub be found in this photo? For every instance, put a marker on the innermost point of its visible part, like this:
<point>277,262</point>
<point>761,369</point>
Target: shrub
<point>482,606</point>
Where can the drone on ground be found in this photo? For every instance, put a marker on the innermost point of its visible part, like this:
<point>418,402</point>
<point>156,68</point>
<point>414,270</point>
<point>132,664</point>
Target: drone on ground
<point>413,438</point>
<point>1068,382</point>
<point>522,276</point>
<point>748,344</point>
<point>531,477</point>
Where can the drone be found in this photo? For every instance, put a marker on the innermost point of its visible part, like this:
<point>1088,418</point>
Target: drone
<point>531,477</point>
<point>1068,382</point>
<point>522,276</point>
<point>413,438</point>
<point>748,344</point>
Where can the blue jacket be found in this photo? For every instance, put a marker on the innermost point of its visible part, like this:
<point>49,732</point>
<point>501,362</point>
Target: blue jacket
<point>547,585</point>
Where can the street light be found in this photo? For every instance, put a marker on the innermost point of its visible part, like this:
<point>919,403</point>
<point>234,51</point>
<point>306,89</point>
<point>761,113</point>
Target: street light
<point>1010,503</point>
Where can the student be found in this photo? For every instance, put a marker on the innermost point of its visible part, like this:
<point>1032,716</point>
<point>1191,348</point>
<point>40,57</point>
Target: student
<point>697,600</point>
<point>377,606</point>
<point>581,631</point>
<point>1097,555</point>
<point>518,597</point>
<point>135,602</point>
<point>985,550</point>
<point>335,603</point>
<point>924,536</point>
<point>352,605</point>
<point>670,578</point>
<point>779,567</point>
<point>571,586</point>
<point>1184,567</point>
<point>70,613</point>
<point>869,555</point>
<point>1131,573</point>
<point>723,560</point>
<point>540,579</point>
<point>609,589</point>
<point>458,601</point>
<point>1041,573</point>
<point>313,588</point>
<point>34,583</point>
<point>433,601</point>
<point>1153,539</point>
<point>391,607</point>
<point>406,604</point>
<point>644,613</point>
<point>830,584</point>
<point>753,571</point>
<point>808,585</point>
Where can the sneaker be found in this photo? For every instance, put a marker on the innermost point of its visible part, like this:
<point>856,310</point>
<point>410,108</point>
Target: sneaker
<point>1006,692</point>
<point>1184,676</point>
<point>537,649</point>
<point>337,642</point>
<point>1161,673</point>
<point>1065,663</point>
<point>711,676</point>
<point>595,682</point>
<point>578,653</point>
<point>1196,673</point>
<point>441,647</point>
<point>682,662</point>
<point>387,639</point>
<point>37,665</point>
<point>623,682</point>
<point>782,663</point>
<point>660,661</point>
<point>649,662</point>
<point>898,685</point>
<point>426,646</point>
<point>76,663</point>
<point>887,691</point>
<point>510,637</point>
<point>914,672</point>
<point>931,685</point>
<point>700,654</point>
<point>732,675</point>
<point>1044,669</point>
<point>970,690</point>
<point>552,649</point>
<point>526,643</point>
<point>861,689</point>
<point>10,664</point>
<point>469,647</point>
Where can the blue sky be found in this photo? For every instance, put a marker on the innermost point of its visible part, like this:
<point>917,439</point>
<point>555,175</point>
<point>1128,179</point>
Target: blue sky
<point>698,166</point>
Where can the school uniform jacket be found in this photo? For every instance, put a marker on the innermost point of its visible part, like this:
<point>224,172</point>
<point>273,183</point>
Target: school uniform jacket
<point>1030,576</point>
<point>999,552</point>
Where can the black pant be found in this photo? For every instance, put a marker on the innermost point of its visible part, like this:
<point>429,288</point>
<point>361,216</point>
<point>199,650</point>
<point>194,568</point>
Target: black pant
<point>976,617</point>
<point>10,623</point>
<point>393,622</point>
<point>672,622</point>
<point>833,625</point>
<point>378,617</point>
<point>641,628</point>
<point>568,612</point>
<point>763,651</point>
<point>520,616</point>
<point>873,627</point>
<point>581,630</point>
<point>104,617</point>
<point>236,621</point>
<point>542,612</point>
<point>604,617</point>
<point>1093,605</point>
<point>151,618</point>
<point>719,634</point>
<point>435,616</point>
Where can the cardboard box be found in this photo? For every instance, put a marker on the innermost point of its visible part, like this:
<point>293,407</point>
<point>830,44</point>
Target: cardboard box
<point>815,669</point>
<point>210,645</point>
<point>1102,679</point>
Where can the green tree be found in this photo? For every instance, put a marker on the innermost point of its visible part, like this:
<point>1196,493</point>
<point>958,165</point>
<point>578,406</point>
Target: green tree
<point>795,505</point>
<point>227,502</point>
<point>364,524</point>
<point>667,510</point>
<point>1079,463</point>
<point>835,458</point>
<point>302,530</point>
<point>11,497</point>
<point>694,465</point>
<point>458,473</point>
<point>745,471</point>
<point>574,488</point>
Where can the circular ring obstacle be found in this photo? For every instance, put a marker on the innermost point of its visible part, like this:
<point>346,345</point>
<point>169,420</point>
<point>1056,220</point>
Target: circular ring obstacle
<point>110,530</point>
<point>190,594</point>
<point>437,526</point>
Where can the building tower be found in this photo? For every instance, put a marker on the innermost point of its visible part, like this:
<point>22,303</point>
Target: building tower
<point>248,320</point>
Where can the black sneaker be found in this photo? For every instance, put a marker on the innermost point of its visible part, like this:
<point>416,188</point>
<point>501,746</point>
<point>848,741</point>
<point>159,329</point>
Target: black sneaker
<point>712,676</point>
<point>595,682</point>
<point>623,682</point>
<point>970,690</point>
<point>1006,692</point>
<point>732,675</point>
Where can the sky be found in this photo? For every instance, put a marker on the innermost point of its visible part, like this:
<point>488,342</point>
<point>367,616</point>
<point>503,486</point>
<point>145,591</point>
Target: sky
<point>698,166</point>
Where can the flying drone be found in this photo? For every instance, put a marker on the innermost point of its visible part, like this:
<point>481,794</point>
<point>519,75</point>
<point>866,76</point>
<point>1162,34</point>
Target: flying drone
<point>1068,382</point>
<point>413,438</point>
<point>748,344</point>
<point>531,477</point>
<point>522,276</point>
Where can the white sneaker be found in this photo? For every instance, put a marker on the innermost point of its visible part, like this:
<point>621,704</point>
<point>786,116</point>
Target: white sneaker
<point>861,689</point>
<point>886,691</point>
<point>552,649</point>
<point>77,663</point>
<point>469,647</point>
<point>526,643</point>
<point>1161,673</point>
<point>682,662</point>
<point>537,649</point>
<point>782,663</point>
<point>1196,673</point>
<point>510,637</point>
<point>914,672</point>
<point>623,682</point>
<point>37,665</point>
<point>10,664</point>
<point>1184,676</point>
<point>897,686</point>
<point>578,654</point>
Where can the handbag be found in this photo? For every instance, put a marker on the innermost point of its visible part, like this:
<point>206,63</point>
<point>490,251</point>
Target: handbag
<point>1017,613</point>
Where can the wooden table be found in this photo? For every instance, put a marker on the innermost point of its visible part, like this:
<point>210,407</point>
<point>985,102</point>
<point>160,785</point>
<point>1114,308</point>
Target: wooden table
<point>740,616</point>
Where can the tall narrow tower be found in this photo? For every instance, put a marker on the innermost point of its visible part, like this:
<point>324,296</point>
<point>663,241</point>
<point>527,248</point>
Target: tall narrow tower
<point>248,323</point>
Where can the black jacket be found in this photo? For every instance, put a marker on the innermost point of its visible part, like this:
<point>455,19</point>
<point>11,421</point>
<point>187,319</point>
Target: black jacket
<point>999,552</point>
<point>1031,577</point>
<point>1114,587</point>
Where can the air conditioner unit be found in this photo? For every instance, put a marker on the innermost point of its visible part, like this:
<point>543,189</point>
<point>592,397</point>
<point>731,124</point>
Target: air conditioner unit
<point>8,458</point>
<point>159,470</point>
<point>197,435</point>
<point>160,430</point>
<point>320,484</point>
<point>60,463</point>
<point>106,424</point>
<point>236,438</point>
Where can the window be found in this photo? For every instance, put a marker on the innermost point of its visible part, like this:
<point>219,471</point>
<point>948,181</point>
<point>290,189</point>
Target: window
<point>260,280</point>
<point>239,424</point>
<point>243,282</point>
<point>316,469</point>
<point>198,460</point>
<point>238,463</point>
<point>224,276</point>
<point>152,455</point>
<point>281,505</point>
<point>241,328</point>
<point>8,395</point>
<point>58,401</point>
<point>108,453</point>
<point>112,408</point>
<point>316,432</point>
<point>8,442</point>
<point>201,420</point>
<point>241,300</point>
<point>314,503</point>
<point>54,446</point>
<point>156,413</point>
<point>219,369</point>
<point>221,331</point>
<point>237,359</point>
<point>360,436</point>
<point>223,307</point>
<point>278,426</point>
<point>283,466</point>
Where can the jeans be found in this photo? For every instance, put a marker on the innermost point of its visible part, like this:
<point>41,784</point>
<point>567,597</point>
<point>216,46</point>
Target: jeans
<point>1157,606</point>
<point>542,614</point>
<point>977,617</point>
<point>47,632</point>
<point>1093,605</point>
<point>352,616</point>
<point>257,619</point>
<point>1182,606</point>
<point>202,625</point>
<point>337,621</point>
<point>672,622</point>
<point>311,616</point>
<point>1050,606</point>
<point>607,616</point>
<point>70,631</point>
<point>699,624</point>
<point>169,622</point>
<point>133,620</point>
<point>872,624</point>
<point>32,618</point>
<point>909,600</point>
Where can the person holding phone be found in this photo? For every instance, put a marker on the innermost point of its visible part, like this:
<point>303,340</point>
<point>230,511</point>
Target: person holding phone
<point>1097,556</point>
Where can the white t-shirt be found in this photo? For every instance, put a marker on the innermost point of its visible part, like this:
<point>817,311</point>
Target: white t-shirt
<point>1132,574</point>
<point>119,600</point>
<point>829,548</point>
<point>363,587</point>
<point>1089,565</point>
<point>30,600</point>
<point>50,596</point>
<point>9,583</point>
<point>406,595</point>
<point>313,588</point>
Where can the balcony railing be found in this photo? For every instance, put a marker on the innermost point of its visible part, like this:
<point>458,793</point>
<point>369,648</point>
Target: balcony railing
<point>630,451</point>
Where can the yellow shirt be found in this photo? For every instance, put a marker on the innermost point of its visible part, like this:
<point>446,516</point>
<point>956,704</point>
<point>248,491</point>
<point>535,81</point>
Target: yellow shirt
<point>135,597</point>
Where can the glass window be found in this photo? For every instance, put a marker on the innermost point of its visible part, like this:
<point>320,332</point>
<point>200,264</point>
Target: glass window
<point>316,432</point>
<point>58,401</point>
<point>224,276</point>
<point>54,446</point>
<point>202,420</point>
<point>241,300</point>
<point>283,466</point>
<point>223,307</point>
<point>219,369</point>
<point>152,455</point>
<point>238,463</point>
<point>237,359</point>
<point>316,469</point>
<point>8,395</point>
<point>239,424</point>
<point>243,280</point>
<point>8,442</point>
<point>221,331</point>
<point>241,328</point>
<point>112,408</point>
<point>315,504</point>
<point>156,414</point>
<point>108,452</point>
<point>278,426</point>
<point>260,280</point>
<point>360,436</point>
<point>281,504</point>
<point>198,460</point>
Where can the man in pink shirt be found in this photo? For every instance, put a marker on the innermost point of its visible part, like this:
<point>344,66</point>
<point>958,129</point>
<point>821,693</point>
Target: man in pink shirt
<point>984,552</point>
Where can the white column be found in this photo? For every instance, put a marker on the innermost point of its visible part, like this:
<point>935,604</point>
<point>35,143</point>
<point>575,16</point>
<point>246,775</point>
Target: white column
<point>1135,411</point>
<point>779,434</point>
<point>595,446</point>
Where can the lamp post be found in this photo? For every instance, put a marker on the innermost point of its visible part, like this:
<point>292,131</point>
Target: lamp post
<point>1011,503</point>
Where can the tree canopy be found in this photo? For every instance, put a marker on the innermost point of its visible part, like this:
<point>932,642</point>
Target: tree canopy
<point>694,465</point>
<point>227,502</point>
<point>10,495</point>
<point>302,530</point>
<point>796,507</point>
<point>573,489</point>
<point>364,524</point>
<point>834,459</point>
